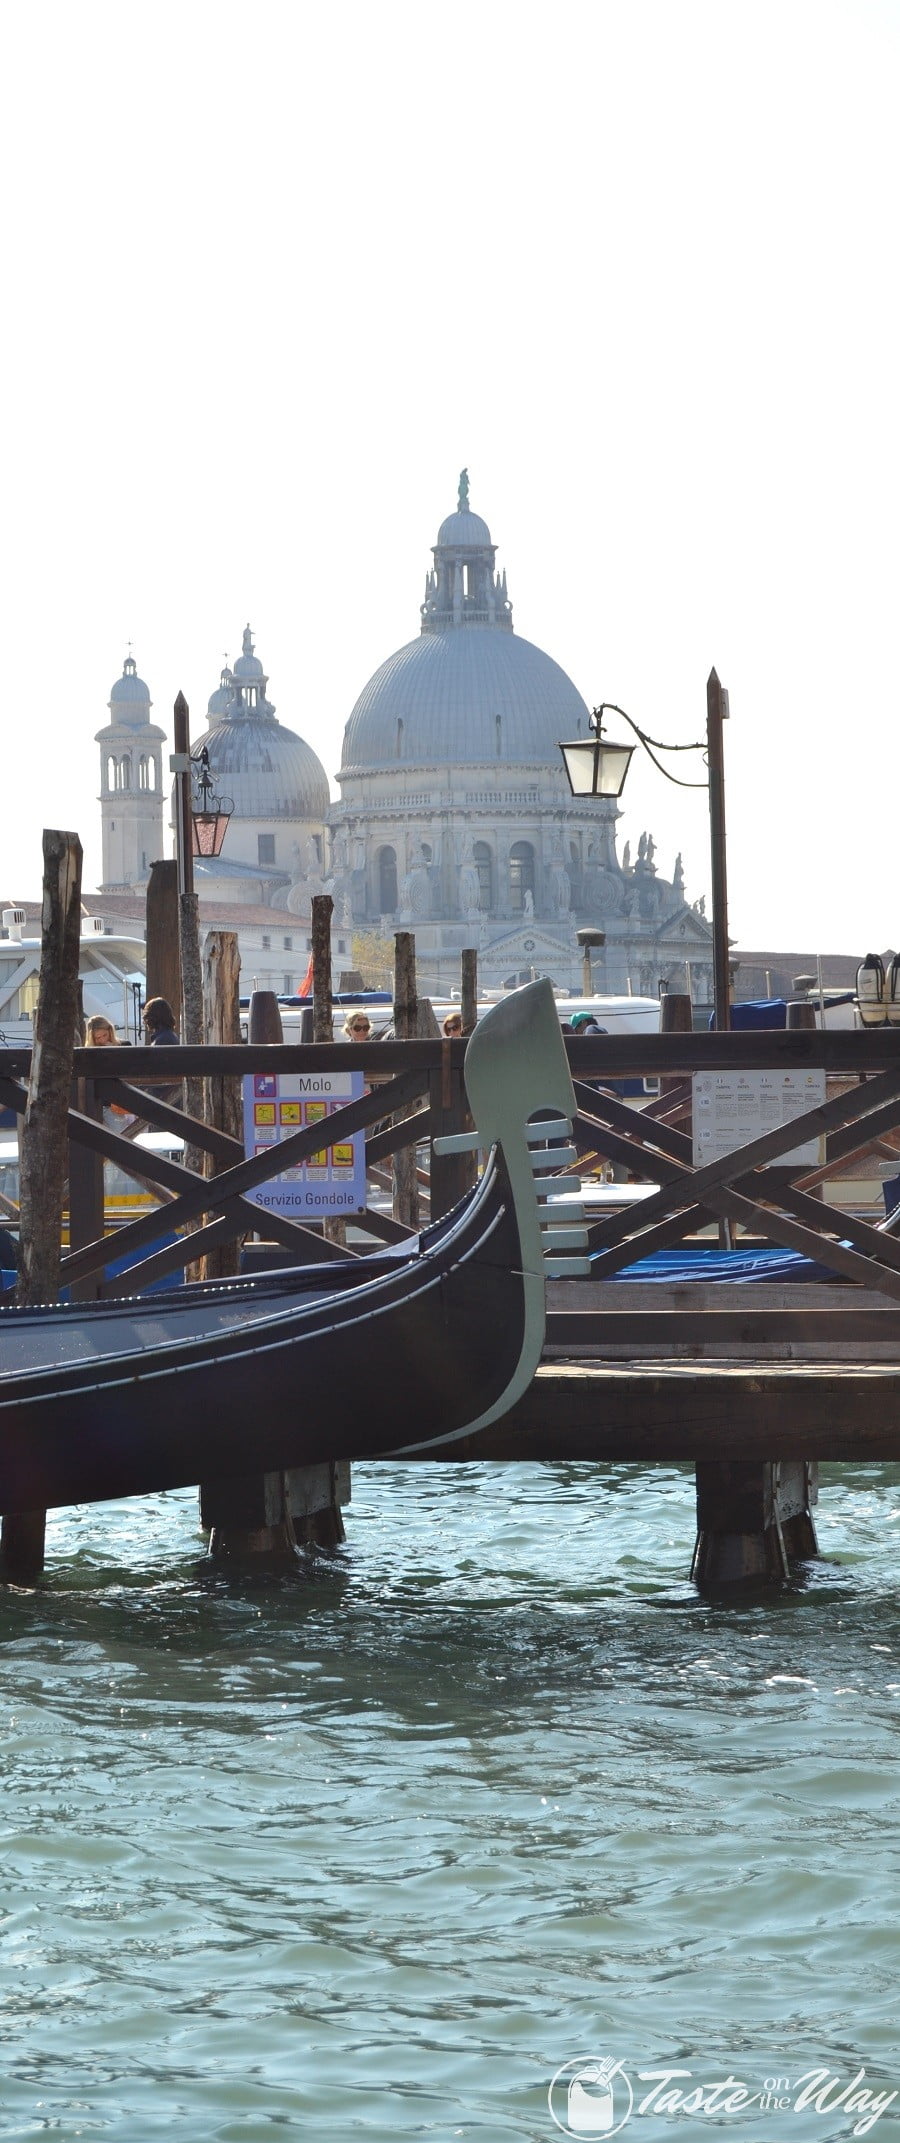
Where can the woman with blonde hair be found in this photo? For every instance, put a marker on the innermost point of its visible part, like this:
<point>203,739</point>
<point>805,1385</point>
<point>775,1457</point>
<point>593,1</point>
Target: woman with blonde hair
<point>99,1032</point>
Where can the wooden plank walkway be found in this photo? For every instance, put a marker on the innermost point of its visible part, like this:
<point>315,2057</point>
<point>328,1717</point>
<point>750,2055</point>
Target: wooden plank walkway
<point>668,1411</point>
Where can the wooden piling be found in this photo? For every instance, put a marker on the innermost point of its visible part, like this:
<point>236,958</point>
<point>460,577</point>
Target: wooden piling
<point>163,956</point>
<point>406,1013</point>
<point>469,995</point>
<point>223,1102</point>
<point>276,1515</point>
<point>752,1519</point>
<point>44,1149</point>
<point>264,1023</point>
<point>323,1006</point>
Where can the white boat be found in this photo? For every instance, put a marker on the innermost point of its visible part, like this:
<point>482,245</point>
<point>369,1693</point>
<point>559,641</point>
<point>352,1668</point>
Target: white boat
<point>112,966</point>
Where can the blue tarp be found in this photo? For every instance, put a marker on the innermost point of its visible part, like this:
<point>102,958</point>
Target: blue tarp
<point>757,1012</point>
<point>720,1265</point>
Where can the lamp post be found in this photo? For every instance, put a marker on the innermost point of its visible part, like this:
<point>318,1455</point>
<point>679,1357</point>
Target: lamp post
<point>597,766</point>
<point>198,832</point>
<point>589,940</point>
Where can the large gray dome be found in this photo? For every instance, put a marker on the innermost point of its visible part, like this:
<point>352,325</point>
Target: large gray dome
<point>467,692</point>
<point>464,697</point>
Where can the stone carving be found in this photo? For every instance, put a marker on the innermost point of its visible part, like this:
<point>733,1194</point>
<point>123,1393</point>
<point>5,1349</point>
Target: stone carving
<point>415,891</point>
<point>469,887</point>
<point>560,882</point>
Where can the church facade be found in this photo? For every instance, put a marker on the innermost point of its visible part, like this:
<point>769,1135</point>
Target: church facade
<point>454,818</point>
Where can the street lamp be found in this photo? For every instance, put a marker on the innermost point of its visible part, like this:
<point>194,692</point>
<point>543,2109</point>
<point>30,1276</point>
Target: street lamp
<point>597,767</point>
<point>201,817</point>
<point>197,833</point>
<point>209,813</point>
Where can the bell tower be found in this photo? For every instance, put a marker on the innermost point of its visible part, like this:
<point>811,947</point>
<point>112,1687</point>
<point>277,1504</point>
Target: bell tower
<point>131,784</point>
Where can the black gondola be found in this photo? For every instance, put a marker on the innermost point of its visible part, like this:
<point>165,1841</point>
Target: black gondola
<point>369,1356</point>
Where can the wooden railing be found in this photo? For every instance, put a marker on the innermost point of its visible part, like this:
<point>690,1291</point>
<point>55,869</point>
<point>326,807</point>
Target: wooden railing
<point>416,1096</point>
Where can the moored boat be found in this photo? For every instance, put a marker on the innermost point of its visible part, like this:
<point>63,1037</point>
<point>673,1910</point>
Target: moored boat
<point>378,1354</point>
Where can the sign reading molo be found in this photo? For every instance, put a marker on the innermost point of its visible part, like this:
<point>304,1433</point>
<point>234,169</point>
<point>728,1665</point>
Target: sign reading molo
<point>330,1181</point>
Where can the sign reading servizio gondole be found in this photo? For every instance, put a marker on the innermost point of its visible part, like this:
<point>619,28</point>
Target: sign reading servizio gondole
<point>333,1179</point>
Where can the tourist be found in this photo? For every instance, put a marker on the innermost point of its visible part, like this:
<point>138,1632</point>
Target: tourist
<point>452,1024</point>
<point>100,1032</point>
<point>358,1027</point>
<point>159,1027</point>
<point>159,1022</point>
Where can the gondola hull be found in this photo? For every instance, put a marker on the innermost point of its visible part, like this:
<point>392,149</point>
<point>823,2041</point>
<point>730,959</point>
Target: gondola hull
<point>346,1362</point>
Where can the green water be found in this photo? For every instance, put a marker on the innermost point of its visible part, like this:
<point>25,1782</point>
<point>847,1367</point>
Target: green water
<point>373,1854</point>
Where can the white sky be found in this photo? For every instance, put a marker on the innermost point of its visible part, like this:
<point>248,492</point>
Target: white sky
<point>273,275</point>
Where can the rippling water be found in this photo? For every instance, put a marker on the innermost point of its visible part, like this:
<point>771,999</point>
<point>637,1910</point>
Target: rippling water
<point>376,1851</point>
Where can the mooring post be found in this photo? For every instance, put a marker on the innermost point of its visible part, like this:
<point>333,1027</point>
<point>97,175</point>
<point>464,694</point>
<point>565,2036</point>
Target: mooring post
<point>163,955</point>
<point>676,1016</point>
<point>323,1004</point>
<point>44,1150</point>
<point>753,1519</point>
<point>469,991</point>
<point>406,1019</point>
<point>276,1514</point>
<point>223,1101</point>
<point>86,1193</point>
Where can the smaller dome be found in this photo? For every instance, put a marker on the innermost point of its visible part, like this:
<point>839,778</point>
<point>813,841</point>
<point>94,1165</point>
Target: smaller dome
<point>129,688</point>
<point>248,669</point>
<point>465,531</point>
<point>222,697</point>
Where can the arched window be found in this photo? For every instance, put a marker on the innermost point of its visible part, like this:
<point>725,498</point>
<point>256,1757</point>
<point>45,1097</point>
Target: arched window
<point>142,772</point>
<point>521,874</point>
<point>387,880</point>
<point>125,772</point>
<point>483,861</point>
<point>111,782</point>
<point>398,747</point>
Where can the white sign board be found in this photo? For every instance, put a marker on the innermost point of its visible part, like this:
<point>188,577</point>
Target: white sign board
<point>733,1108</point>
<point>276,1104</point>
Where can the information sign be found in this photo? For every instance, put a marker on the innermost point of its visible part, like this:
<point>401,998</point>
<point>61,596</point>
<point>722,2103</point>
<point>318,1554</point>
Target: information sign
<point>331,1181</point>
<point>733,1108</point>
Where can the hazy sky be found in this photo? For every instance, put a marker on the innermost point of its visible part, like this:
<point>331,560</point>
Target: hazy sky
<point>273,275</point>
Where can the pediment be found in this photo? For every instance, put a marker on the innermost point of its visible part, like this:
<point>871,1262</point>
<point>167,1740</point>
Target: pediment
<point>529,942</point>
<point>686,927</point>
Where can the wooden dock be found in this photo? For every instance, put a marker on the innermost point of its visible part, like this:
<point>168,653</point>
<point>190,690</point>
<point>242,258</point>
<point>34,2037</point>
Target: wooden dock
<point>750,1383</point>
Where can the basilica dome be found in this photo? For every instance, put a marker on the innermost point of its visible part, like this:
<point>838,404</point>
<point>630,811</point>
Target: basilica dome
<point>464,698</point>
<point>468,691</point>
<point>266,769</point>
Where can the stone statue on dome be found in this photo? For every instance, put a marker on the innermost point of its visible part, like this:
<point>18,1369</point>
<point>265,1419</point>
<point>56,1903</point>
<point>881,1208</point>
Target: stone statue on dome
<point>678,875</point>
<point>463,500</point>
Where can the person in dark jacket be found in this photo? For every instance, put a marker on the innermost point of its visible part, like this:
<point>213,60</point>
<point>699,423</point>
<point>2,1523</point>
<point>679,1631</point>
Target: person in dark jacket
<point>159,1022</point>
<point>159,1028</point>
